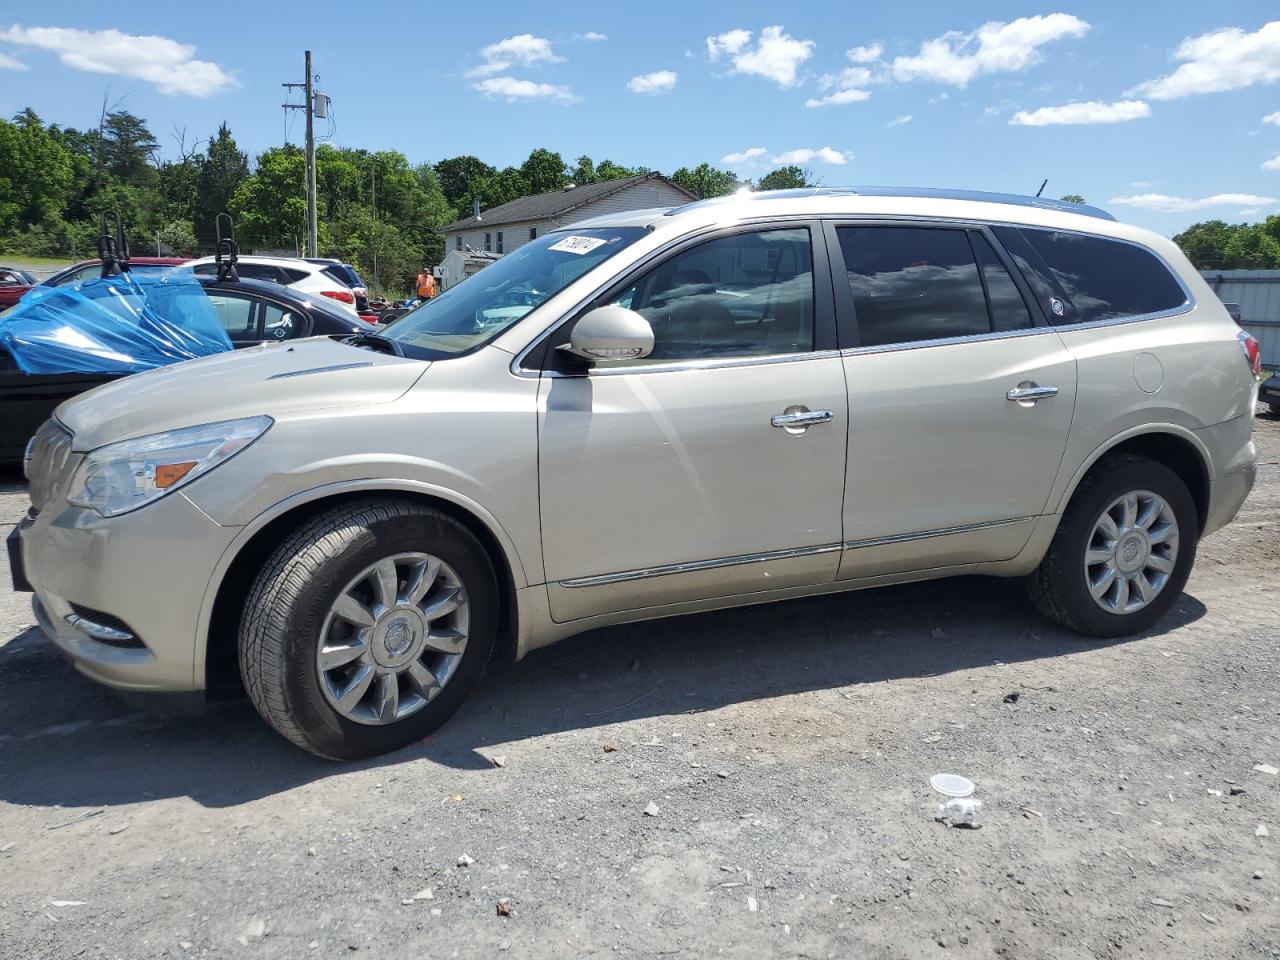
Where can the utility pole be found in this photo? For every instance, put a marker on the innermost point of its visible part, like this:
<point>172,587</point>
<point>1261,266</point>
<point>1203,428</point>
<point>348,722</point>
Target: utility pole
<point>309,105</point>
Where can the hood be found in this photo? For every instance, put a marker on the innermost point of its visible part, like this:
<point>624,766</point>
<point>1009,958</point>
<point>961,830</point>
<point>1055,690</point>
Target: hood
<point>272,379</point>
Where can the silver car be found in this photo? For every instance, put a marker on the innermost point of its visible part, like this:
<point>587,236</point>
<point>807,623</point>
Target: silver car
<point>736,401</point>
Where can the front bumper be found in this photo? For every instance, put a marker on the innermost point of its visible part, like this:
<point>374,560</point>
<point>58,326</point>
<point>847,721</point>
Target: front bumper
<point>148,569</point>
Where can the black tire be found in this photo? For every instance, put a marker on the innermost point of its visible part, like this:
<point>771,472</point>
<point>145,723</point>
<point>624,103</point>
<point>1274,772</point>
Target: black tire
<point>1059,588</point>
<point>290,599</point>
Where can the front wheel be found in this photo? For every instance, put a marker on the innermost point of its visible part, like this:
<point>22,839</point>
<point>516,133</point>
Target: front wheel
<point>1123,551</point>
<point>368,627</point>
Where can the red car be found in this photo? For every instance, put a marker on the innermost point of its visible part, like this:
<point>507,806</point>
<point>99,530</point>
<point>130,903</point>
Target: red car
<point>90,269</point>
<point>13,284</point>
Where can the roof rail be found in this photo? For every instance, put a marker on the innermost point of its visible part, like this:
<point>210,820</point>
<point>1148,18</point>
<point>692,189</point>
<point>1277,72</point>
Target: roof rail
<point>935,193</point>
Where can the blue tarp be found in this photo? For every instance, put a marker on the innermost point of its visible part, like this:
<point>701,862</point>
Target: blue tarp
<point>121,324</point>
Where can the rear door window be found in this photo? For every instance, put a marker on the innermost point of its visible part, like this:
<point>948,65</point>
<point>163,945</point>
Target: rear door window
<point>1091,278</point>
<point>238,316</point>
<point>913,283</point>
<point>279,324</point>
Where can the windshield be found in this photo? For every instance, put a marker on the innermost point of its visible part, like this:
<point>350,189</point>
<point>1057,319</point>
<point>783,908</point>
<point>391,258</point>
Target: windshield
<point>472,313</point>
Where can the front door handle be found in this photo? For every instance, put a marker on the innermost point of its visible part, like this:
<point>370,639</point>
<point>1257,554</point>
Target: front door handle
<point>798,419</point>
<point>1030,393</point>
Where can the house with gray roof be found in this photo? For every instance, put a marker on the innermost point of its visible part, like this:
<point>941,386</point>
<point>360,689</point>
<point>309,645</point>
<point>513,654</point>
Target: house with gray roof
<point>473,243</point>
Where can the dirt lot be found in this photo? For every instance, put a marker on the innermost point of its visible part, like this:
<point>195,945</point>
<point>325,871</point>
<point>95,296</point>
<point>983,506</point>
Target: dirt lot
<point>786,751</point>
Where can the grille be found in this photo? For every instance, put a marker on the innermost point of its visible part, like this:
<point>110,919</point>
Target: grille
<point>47,456</point>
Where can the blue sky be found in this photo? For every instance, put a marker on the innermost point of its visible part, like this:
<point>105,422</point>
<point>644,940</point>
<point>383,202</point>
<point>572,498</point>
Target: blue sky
<point>1176,104</point>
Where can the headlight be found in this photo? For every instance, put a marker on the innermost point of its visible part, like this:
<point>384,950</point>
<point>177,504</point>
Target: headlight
<point>123,476</point>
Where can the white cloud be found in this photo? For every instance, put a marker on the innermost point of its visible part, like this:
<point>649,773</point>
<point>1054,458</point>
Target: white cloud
<point>524,49</point>
<point>868,54</point>
<point>592,35</point>
<point>956,58</point>
<point>899,121</point>
<point>728,43</point>
<point>1273,163</point>
<point>853,95</point>
<point>1168,204</point>
<point>847,86</point>
<point>776,56</point>
<point>806,154</point>
<point>1089,111</point>
<point>1142,184</point>
<point>514,90</point>
<point>11,63</point>
<point>164,63</point>
<point>745,158</point>
<point>660,81</point>
<point>1226,59</point>
<point>1251,212</point>
<point>1272,118</point>
<point>848,77</point>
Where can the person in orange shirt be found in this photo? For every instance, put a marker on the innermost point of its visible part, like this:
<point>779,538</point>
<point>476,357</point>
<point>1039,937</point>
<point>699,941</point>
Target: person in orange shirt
<point>426,285</point>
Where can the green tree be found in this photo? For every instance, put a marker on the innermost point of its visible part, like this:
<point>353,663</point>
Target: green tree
<point>1252,248</point>
<point>128,148</point>
<point>786,178</point>
<point>705,181</point>
<point>456,175</point>
<point>543,172</point>
<point>1072,198</point>
<point>1205,244</point>
<point>270,207</point>
<point>220,174</point>
<point>179,238</point>
<point>36,173</point>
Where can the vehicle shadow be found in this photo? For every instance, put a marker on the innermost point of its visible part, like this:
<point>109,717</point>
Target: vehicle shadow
<point>66,741</point>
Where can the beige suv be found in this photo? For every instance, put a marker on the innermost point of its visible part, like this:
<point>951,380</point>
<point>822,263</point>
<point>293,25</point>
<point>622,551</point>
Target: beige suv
<point>741,400</point>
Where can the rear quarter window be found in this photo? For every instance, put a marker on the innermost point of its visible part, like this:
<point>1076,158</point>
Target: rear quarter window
<point>1095,278</point>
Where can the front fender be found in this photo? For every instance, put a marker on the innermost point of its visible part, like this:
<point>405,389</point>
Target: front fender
<point>247,532</point>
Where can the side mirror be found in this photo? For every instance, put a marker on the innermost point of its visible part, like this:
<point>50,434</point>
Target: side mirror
<point>610,333</point>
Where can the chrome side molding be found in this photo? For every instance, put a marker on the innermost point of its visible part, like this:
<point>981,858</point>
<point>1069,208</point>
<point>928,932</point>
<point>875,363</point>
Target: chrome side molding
<point>692,566</point>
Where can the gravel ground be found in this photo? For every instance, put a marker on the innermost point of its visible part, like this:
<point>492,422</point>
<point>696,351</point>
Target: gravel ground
<point>749,783</point>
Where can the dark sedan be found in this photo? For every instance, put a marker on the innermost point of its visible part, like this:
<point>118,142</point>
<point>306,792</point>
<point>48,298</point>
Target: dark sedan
<point>1269,392</point>
<point>250,311</point>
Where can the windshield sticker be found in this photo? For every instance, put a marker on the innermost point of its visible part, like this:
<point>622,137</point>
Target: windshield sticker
<point>578,245</point>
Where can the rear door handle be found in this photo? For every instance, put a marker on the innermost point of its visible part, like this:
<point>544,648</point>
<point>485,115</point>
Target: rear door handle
<point>799,419</point>
<point>1030,393</point>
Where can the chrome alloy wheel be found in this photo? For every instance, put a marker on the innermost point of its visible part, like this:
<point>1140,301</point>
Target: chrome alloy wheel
<point>1132,552</point>
<point>393,638</point>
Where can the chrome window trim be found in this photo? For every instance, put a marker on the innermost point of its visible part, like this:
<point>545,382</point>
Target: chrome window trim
<point>693,566</point>
<point>1190,304</point>
<point>928,534</point>
<point>709,363</point>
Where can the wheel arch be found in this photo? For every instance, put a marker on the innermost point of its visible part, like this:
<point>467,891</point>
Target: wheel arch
<point>1175,447</point>
<point>216,658</point>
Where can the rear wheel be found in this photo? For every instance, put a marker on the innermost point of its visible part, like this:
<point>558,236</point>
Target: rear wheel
<point>368,627</point>
<point>1123,551</point>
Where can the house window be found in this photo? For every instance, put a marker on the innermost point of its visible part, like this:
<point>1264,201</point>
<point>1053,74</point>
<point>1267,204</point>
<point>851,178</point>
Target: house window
<point>488,245</point>
<point>533,233</point>
<point>457,242</point>
<point>500,241</point>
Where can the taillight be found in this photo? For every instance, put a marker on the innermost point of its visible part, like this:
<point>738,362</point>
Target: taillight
<point>346,296</point>
<point>1252,353</point>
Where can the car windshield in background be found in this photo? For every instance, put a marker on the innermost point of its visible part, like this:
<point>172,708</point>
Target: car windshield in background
<point>476,311</point>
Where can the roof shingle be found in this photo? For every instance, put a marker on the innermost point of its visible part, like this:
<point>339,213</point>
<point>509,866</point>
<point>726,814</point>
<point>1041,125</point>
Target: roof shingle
<point>545,206</point>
